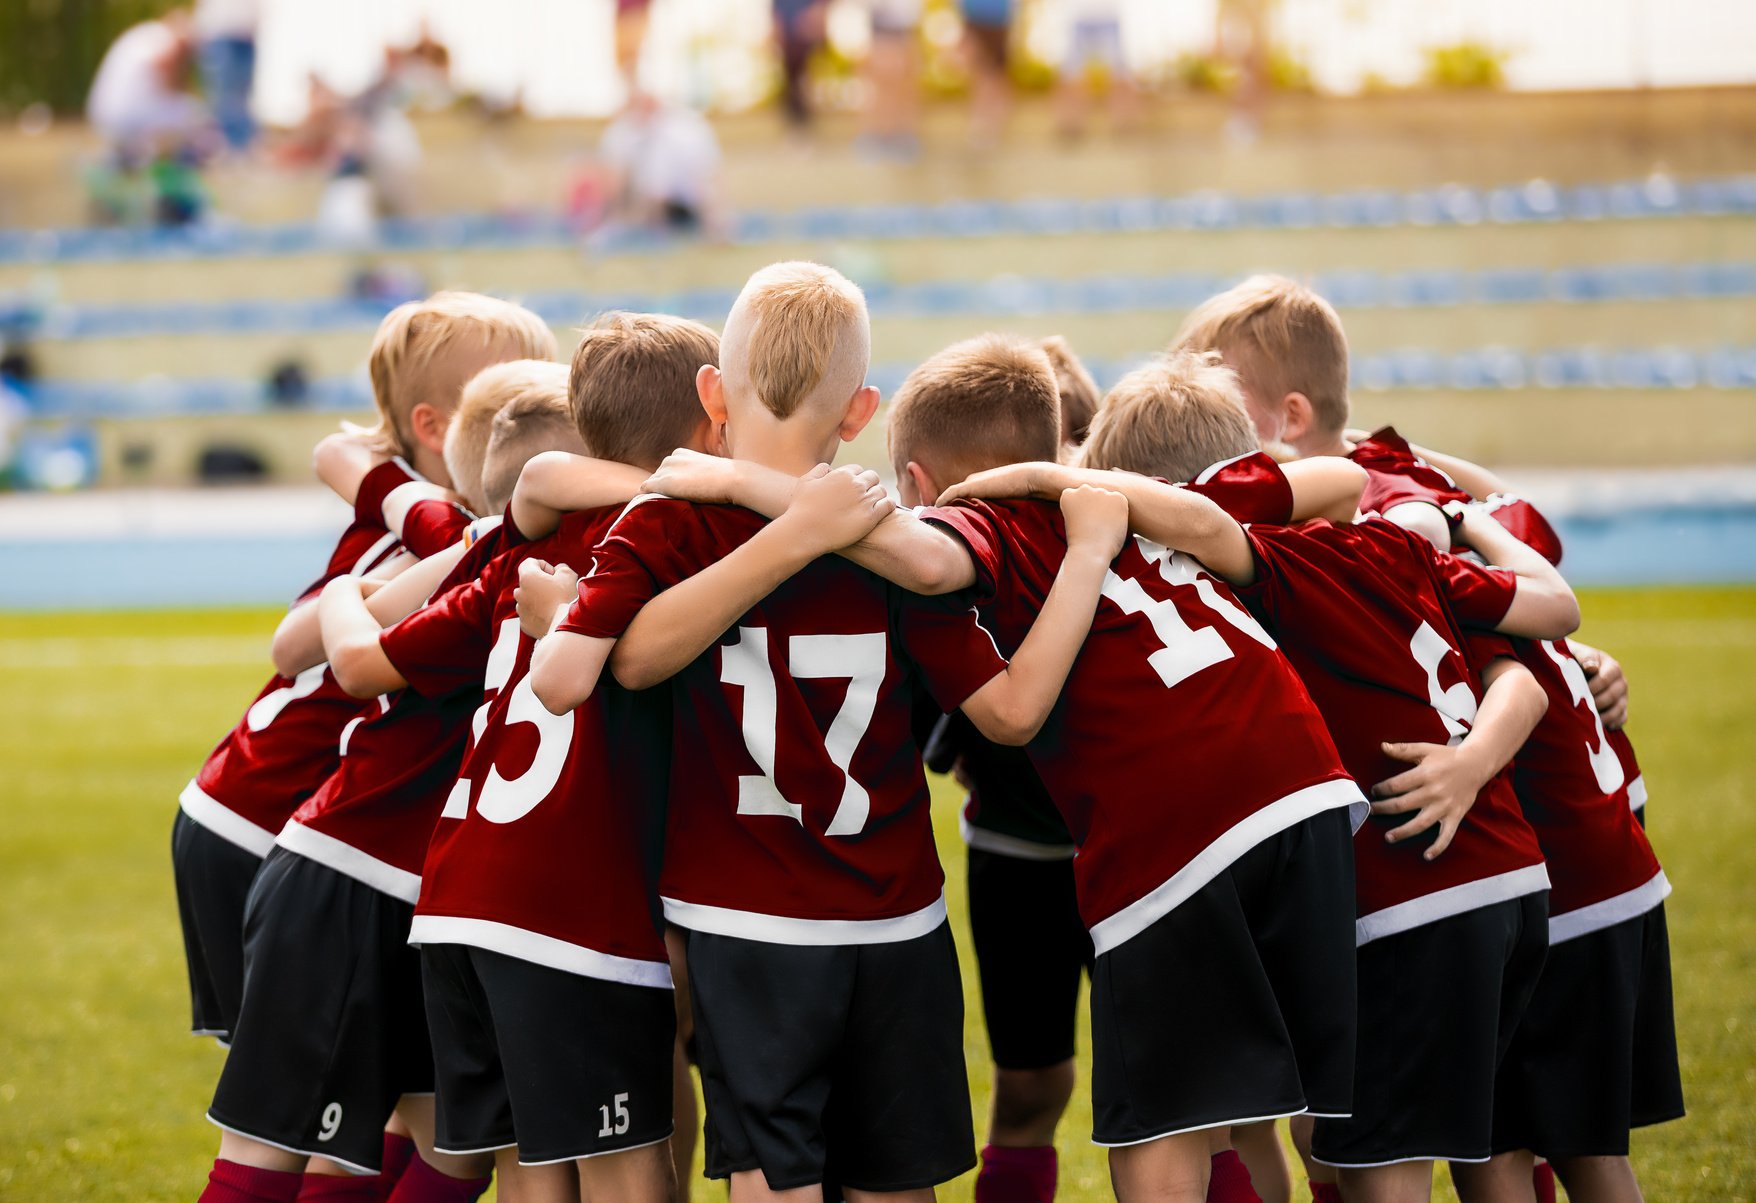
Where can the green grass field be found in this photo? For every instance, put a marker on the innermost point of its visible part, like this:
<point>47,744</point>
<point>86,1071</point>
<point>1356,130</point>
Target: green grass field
<point>104,717</point>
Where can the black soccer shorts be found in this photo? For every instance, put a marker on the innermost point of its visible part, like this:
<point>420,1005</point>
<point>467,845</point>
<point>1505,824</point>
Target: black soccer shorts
<point>212,877</point>
<point>1031,948</point>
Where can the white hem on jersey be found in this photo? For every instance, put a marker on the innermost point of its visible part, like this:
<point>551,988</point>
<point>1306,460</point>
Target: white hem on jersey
<point>606,1153</point>
<point>783,929</point>
<point>524,945</point>
<point>349,861</point>
<point>1570,925</point>
<point>1372,1165</point>
<point>352,1168</point>
<point>472,1152</point>
<point>1454,900</point>
<point>1637,792</point>
<point>1224,1123</point>
<point>1213,860</point>
<point>1017,847</point>
<point>229,825</point>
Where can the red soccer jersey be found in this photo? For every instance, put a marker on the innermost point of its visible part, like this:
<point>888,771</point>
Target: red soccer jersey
<point>1631,770</point>
<point>1575,793</point>
<point>372,817</point>
<point>1395,474</point>
<point>1371,616</point>
<point>1154,753</point>
<point>548,845</point>
<point>430,526</point>
<point>286,744</point>
<point>798,808</point>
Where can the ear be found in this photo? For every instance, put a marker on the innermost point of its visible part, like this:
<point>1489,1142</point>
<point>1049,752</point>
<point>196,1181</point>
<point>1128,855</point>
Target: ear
<point>710,387</point>
<point>1299,417</point>
<point>428,425</point>
<point>861,408</point>
<point>926,488</point>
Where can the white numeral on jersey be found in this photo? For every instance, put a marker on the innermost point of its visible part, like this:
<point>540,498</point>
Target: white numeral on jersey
<point>503,799</point>
<point>622,1120</point>
<point>862,659</point>
<point>1186,651</point>
<point>1456,706</point>
<point>331,1122</point>
<point>1606,766</point>
<point>267,708</point>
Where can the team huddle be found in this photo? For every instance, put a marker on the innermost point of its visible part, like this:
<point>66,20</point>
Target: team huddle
<point>598,751</point>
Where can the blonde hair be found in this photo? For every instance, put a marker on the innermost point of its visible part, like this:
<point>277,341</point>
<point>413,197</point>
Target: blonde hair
<point>1079,392</point>
<point>805,333</point>
<point>459,331</point>
<point>1282,338</point>
<point>466,438</point>
<point>534,418</point>
<point>1172,418</point>
<point>977,404</point>
<point>631,388</point>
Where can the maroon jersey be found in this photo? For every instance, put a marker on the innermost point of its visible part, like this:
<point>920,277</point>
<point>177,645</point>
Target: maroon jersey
<point>1574,791</point>
<point>547,848</point>
<point>1154,752</point>
<point>1631,770</point>
<point>1372,617</point>
<point>372,817</point>
<point>286,743</point>
<point>798,807</point>
<point>432,525</point>
<point>1395,475</point>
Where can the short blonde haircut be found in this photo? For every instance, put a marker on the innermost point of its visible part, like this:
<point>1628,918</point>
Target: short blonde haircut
<point>807,332</point>
<point>425,351</point>
<point>1175,417</point>
<point>977,404</point>
<point>631,388</point>
<point>1282,338</point>
<point>466,438</point>
<point>535,418</point>
<point>1079,392</point>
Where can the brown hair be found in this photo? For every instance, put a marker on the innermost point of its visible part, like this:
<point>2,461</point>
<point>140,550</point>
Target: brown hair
<point>466,326</point>
<point>1079,392</point>
<point>526,403</point>
<point>1282,338</point>
<point>807,331</point>
<point>977,404</point>
<point>632,385</point>
<point>1172,418</point>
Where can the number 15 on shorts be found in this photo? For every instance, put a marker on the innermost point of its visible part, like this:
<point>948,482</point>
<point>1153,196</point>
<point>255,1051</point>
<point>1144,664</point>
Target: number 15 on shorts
<point>615,1116</point>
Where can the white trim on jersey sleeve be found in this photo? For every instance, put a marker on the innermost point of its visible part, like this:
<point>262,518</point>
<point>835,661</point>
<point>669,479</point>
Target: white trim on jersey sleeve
<point>1212,470</point>
<point>1637,793</point>
<point>1213,860</point>
<point>349,861</point>
<point>1456,900</point>
<point>539,949</point>
<point>229,825</point>
<point>1570,925</point>
<point>783,929</point>
<point>1017,847</point>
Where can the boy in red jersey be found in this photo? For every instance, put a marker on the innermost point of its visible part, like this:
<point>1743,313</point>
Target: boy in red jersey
<point>799,856</point>
<point>326,1042</point>
<point>285,746</point>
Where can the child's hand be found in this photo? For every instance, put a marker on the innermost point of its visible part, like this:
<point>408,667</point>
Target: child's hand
<point>1609,684</point>
<point>1442,786</point>
<point>836,508</point>
<point>342,460</point>
<point>1097,519</point>
<point>542,589</point>
<point>691,476</point>
<point>1043,480</point>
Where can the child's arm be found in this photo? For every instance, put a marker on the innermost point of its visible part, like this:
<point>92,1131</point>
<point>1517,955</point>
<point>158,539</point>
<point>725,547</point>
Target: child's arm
<point>392,592</point>
<point>1446,779</point>
<point>1012,707</point>
<point>1325,486</point>
<point>901,549</point>
<point>1473,479</point>
<point>1609,684</point>
<point>350,640</point>
<point>554,483</point>
<point>1544,606</point>
<point>565,665</point>
<point>343,459</point>
<point>404,498</point>
<point>828,510</point>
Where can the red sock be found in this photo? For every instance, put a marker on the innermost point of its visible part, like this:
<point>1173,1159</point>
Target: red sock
<point>231,1182</point>
<point>398,1152</point>
<point>1325,1192</point>
<point>1229,1180</point>
<point>1016,1175</point>
<point>421,1183</point>
<point>1543,1179</point>
<point>342,1188</point>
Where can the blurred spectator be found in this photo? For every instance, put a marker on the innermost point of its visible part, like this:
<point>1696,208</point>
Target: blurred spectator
<point>142,99</point>
<point>798,29</point>
<point>662,162</point>
<point>893,70</point>
<point>1094,45</point>
<point>987,26</point>
<point>227,29</point>
<point>631,19</point>
<point>16,372</point>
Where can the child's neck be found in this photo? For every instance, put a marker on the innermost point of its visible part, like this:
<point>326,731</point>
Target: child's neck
<point>1323,444</point>
<point>794,452</point>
